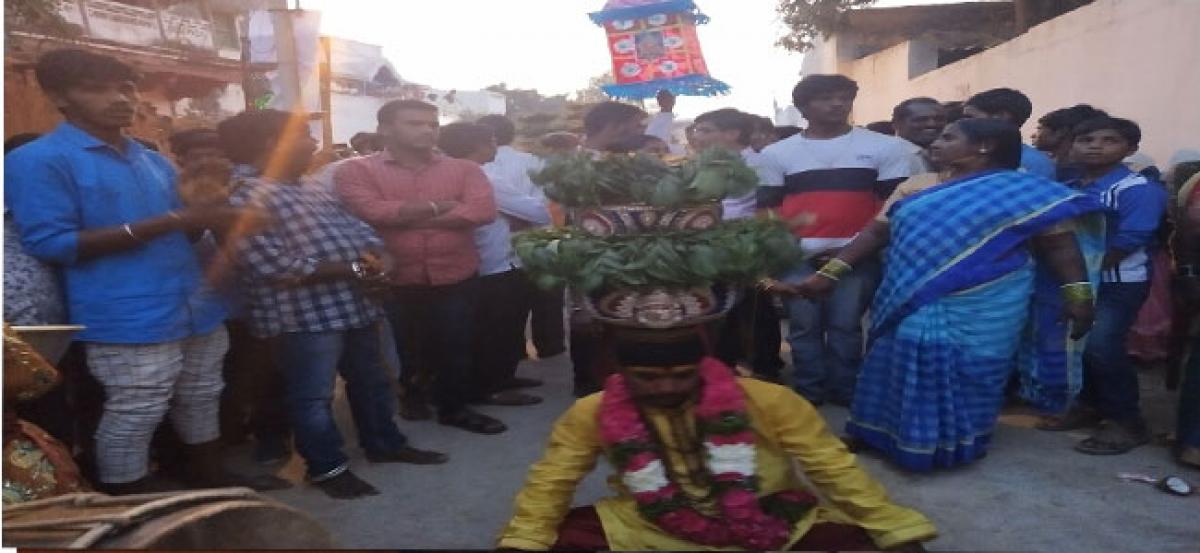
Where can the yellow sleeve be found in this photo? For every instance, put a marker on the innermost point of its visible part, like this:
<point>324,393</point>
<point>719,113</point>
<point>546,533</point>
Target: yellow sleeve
<point>544,501</point>
<point>831,467</point>
<point>912,185</point>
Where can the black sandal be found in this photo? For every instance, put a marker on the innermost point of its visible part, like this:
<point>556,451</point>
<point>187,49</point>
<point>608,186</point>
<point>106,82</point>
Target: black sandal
<point>1114,439</point>
<point>471,421</point>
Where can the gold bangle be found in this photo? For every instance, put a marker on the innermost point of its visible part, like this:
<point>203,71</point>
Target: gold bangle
<point>1078,292</point>
<point>835,268</point>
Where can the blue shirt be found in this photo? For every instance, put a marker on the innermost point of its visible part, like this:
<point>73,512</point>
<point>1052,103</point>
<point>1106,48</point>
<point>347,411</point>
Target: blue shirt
<point>69,181</point>
<point>1134,207</point>
<point>1034,162</point>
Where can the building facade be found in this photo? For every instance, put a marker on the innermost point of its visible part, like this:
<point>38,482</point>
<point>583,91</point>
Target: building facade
<point>1133,58</point>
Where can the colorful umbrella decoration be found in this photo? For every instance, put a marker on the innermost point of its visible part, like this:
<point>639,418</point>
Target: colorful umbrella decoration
<point>654,46</point>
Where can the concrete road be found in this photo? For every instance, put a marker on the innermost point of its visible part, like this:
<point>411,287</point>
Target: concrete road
<point>1032,493</point>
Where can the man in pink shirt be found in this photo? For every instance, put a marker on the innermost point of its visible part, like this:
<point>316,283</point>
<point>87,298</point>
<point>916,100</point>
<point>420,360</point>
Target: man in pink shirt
<point>426,207</point>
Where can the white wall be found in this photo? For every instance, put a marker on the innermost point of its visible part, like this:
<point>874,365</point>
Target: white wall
<point>354,114</point>
<point>1134,58</point>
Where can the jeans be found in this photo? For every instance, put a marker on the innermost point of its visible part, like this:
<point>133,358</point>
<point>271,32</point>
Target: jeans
<point>827,335</point>
<point>1110,381</point>
<point>435,332</point>
<point>310,362</point>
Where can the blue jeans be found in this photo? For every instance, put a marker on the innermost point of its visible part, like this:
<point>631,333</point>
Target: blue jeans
<point>310,362</point>
<point>827,336</point>
<point>1110,382</point>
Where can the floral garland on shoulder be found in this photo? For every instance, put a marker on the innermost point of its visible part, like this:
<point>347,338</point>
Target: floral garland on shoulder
<point>746,520</point>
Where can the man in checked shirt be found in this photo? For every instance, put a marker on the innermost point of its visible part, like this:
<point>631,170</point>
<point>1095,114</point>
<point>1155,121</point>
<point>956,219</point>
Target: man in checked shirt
<point>307,281</point>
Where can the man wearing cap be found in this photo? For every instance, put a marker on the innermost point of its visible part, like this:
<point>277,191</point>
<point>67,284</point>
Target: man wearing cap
<point>704,460</point>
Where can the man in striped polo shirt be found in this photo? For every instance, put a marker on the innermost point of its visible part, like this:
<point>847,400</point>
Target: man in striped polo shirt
<point>828,182</point>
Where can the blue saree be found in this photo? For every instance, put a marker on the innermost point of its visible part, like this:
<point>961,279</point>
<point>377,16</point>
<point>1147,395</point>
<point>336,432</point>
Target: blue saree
<point>1049,362</point>
<point>947,320</point>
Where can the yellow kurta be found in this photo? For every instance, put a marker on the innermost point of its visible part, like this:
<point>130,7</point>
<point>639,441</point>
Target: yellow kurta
<point>786,428</point>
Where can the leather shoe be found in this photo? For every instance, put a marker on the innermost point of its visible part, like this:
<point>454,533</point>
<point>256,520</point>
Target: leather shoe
<point>511,398</point>
<point>409,455</point>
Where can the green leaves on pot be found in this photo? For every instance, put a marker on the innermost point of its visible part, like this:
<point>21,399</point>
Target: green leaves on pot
<point>582,180</point>
<point>739,252</point>
<point>720,173</point>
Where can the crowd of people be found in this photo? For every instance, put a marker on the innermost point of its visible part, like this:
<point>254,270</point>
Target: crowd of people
<point>225,291</point>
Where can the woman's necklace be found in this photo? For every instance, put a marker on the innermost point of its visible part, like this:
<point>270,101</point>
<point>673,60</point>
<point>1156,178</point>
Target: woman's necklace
<point>688,446</point>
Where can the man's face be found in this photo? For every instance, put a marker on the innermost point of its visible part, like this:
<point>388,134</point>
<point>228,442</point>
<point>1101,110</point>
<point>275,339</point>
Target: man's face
<point>1101,148</point>
<point>831,108</point>
<point>200,153</point>
<point>630,129</point>
<point>486,153</point>
<point>363,146</point>
<point>762,137</point>
<point>412,128</point>
<point>297,148</point>
<point>923,123</point>
<point>666,100</point>
<point>662,387</point>
<point>1047,139</point>
<point>100,104</point>
<point>707,135</point>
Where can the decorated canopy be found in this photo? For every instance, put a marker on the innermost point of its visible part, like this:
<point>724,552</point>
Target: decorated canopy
<point>654,46</point>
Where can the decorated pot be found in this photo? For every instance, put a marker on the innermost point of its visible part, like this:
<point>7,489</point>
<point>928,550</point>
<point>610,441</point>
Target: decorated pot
<point>618,220</point>
<point>660,307</point>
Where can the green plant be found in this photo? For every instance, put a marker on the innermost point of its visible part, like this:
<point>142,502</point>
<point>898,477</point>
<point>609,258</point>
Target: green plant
<point>39,15</point>
<point>583,180</point>
<point>737,252</point>
<point>809,20</point>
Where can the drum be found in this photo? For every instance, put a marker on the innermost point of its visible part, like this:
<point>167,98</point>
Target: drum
<point>224,518</point>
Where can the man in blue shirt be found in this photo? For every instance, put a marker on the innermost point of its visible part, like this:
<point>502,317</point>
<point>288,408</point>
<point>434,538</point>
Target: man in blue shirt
<point>106,209</point>
<point>1011,105</point>
<point>1134,210</point>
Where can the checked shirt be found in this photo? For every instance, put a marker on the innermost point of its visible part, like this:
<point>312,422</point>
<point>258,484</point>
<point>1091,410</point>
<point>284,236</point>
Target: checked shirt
<point>309,227</point>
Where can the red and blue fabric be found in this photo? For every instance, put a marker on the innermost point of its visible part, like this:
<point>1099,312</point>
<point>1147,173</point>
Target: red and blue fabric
<point>654,46</point>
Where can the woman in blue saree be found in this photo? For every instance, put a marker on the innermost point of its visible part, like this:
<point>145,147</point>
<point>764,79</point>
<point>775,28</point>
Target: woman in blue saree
<point>947,321</point>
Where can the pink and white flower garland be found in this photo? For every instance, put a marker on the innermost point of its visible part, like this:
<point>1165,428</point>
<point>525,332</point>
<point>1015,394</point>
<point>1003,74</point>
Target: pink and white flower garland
<point>730,457</point>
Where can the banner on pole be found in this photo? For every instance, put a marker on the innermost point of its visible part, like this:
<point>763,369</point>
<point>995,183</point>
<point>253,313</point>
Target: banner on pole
<point>654,46</point>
